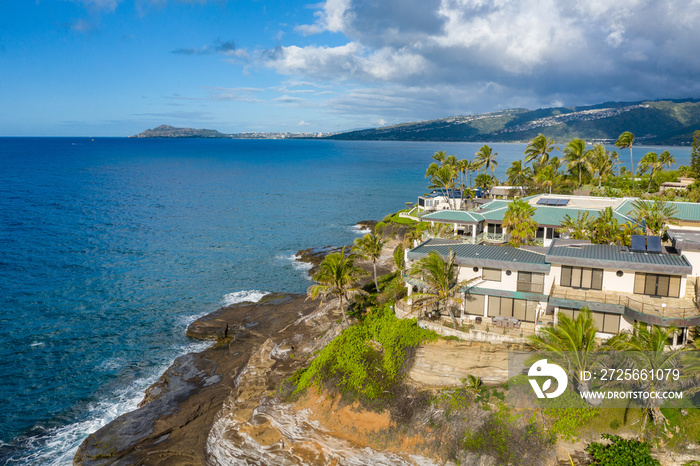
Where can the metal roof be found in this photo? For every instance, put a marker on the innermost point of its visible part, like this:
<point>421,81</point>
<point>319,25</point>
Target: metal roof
<point>453,216</point>
<point>616,257</point>
<point>480,255</point>
<point>687,211</point>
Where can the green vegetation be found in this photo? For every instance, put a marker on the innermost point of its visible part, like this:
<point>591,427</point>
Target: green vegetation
<point>366,359</point>
<point>505,437</point>
<point>621,452</point>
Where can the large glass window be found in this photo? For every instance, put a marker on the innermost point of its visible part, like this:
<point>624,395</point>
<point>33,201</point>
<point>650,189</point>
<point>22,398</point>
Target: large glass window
<point>521,309</point>
<point>657,285</point>
<point>531,282</point>
<point>582,277</point>
<point>493,275</point>
<point>604,322</point>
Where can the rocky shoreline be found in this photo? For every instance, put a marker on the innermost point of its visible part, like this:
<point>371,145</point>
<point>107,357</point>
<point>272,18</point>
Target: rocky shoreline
<point>173,422</point>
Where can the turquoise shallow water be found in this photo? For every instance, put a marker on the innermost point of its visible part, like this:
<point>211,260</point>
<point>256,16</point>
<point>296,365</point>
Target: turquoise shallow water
<point>110,247</point>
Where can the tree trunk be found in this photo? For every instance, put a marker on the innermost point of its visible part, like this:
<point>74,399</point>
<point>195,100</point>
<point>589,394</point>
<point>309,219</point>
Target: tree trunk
<point>376,283</point>
<point>651,176</point>
<point>632,169</point>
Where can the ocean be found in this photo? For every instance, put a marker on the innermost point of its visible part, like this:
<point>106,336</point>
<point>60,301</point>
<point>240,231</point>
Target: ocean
<point>110,247</point>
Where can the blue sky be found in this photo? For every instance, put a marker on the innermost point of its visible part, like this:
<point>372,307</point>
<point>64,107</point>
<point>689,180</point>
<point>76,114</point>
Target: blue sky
<point>117,67</point>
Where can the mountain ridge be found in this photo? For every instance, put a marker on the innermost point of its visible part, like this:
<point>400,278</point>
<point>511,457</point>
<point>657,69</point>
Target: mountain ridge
<point>663,122</point>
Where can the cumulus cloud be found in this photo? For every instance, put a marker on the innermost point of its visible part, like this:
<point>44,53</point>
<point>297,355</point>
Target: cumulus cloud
<point>495,54</point>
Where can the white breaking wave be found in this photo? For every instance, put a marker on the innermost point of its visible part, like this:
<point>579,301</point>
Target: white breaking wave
<point>242,296</point>
<point>298,265</point>
<point>57,446</point>
<point>360,230</point>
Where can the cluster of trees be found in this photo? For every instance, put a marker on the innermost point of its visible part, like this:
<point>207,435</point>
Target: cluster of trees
<point>578,164</point>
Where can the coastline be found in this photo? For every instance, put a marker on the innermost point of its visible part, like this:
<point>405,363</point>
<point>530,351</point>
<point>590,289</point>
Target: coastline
<point>172,424</point>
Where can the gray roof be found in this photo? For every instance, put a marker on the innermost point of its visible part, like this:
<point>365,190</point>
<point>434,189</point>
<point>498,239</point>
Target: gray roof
<point>480,255</point>
<point>616,257</point>
<point>685,240</point>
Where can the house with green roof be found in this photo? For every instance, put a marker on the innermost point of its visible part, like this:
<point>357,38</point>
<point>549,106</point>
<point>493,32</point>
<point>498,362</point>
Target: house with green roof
<point>484,223</point>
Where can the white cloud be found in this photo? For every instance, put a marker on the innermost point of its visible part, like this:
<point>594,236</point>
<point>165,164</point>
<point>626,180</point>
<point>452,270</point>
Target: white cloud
<point>478,55</point>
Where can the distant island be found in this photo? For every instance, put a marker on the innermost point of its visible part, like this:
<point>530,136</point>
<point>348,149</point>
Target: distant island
<point>663,122</point>
<point>167,131</point>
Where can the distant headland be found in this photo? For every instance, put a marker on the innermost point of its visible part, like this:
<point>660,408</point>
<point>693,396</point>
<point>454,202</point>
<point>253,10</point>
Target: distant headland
<point>661,122</point>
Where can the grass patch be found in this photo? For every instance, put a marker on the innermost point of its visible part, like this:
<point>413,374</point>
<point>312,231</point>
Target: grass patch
<point>365,361</point>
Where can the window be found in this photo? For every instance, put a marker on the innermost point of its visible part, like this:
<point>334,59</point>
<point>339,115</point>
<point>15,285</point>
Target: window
<point>657,285</point>
<point>521,309</point>
<point>605,322</point>
<point>493,275</point>
<point>531,282</point>
<point>582,277</point>
<point>495,229</point>
<point>474,304</point>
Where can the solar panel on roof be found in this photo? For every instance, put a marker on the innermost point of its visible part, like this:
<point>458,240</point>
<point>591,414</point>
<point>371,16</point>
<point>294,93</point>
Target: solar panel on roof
<point>563,202</point>
<point>542,201</point>
<point>639,243</point>
<point>654,244</point>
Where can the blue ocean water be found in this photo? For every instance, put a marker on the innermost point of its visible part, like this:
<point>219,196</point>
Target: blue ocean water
<point>110,247</point>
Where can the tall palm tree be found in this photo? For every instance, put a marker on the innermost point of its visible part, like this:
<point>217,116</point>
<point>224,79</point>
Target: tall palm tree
<point>518,221</point>
<point>646,348</point>
<point>518,174</point>
<point>539,149</point>
<point>571,344</point>
<point>440,156</point>
<point>336,277</point>
<point>486,158</point>
<point>438,280</point>
<point>369,247</point>
<point>578,157</point>
<point>602,162</point>
<point>463,167</point>
<point>624,141</point>
<point>547,176</point>
<point>655,214</point>
<point>444,179</point>
<point>655,163</point>
<point>577,228</point>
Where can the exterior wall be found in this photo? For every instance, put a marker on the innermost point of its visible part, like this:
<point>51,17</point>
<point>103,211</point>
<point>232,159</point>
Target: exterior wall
<point>613,283</point>
<point>694,259</point>
<point>507,283</point>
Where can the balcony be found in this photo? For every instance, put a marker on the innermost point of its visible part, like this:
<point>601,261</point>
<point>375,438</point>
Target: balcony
<point>676,312</point>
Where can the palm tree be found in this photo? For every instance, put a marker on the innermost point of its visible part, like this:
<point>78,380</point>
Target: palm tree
<point>656,215</point>
<point>625,141</point>
<point>440,156</point>
<point>484,181</point>
<point>603,162</point>
<point>369,247</point>
<point>519,223</point>
<point>443,179</point>
<point>655,163</point>
<point>646,348</point>
<point>572,344</point>
<point>518,174</point>
<point>438,279</point>
<point>539,148</point>
<point>463,167</point>
<point>577,157</point>
<point>547,176</point>
<point>578,227</point>
<point>486,158</point>
<point>336,277</point>
<point>605,229</point>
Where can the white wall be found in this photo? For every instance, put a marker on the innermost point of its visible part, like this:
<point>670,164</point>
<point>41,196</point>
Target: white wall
<point>694,259</point>
<point>506,283</point>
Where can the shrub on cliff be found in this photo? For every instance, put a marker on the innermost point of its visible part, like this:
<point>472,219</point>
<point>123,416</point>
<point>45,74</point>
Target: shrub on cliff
<point>366,359</point>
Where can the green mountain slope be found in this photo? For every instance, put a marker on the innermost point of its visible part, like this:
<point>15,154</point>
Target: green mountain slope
<point>653,122</point>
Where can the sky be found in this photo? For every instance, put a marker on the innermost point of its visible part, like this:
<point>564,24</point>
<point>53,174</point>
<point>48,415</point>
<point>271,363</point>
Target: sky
<point>118,67</point>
